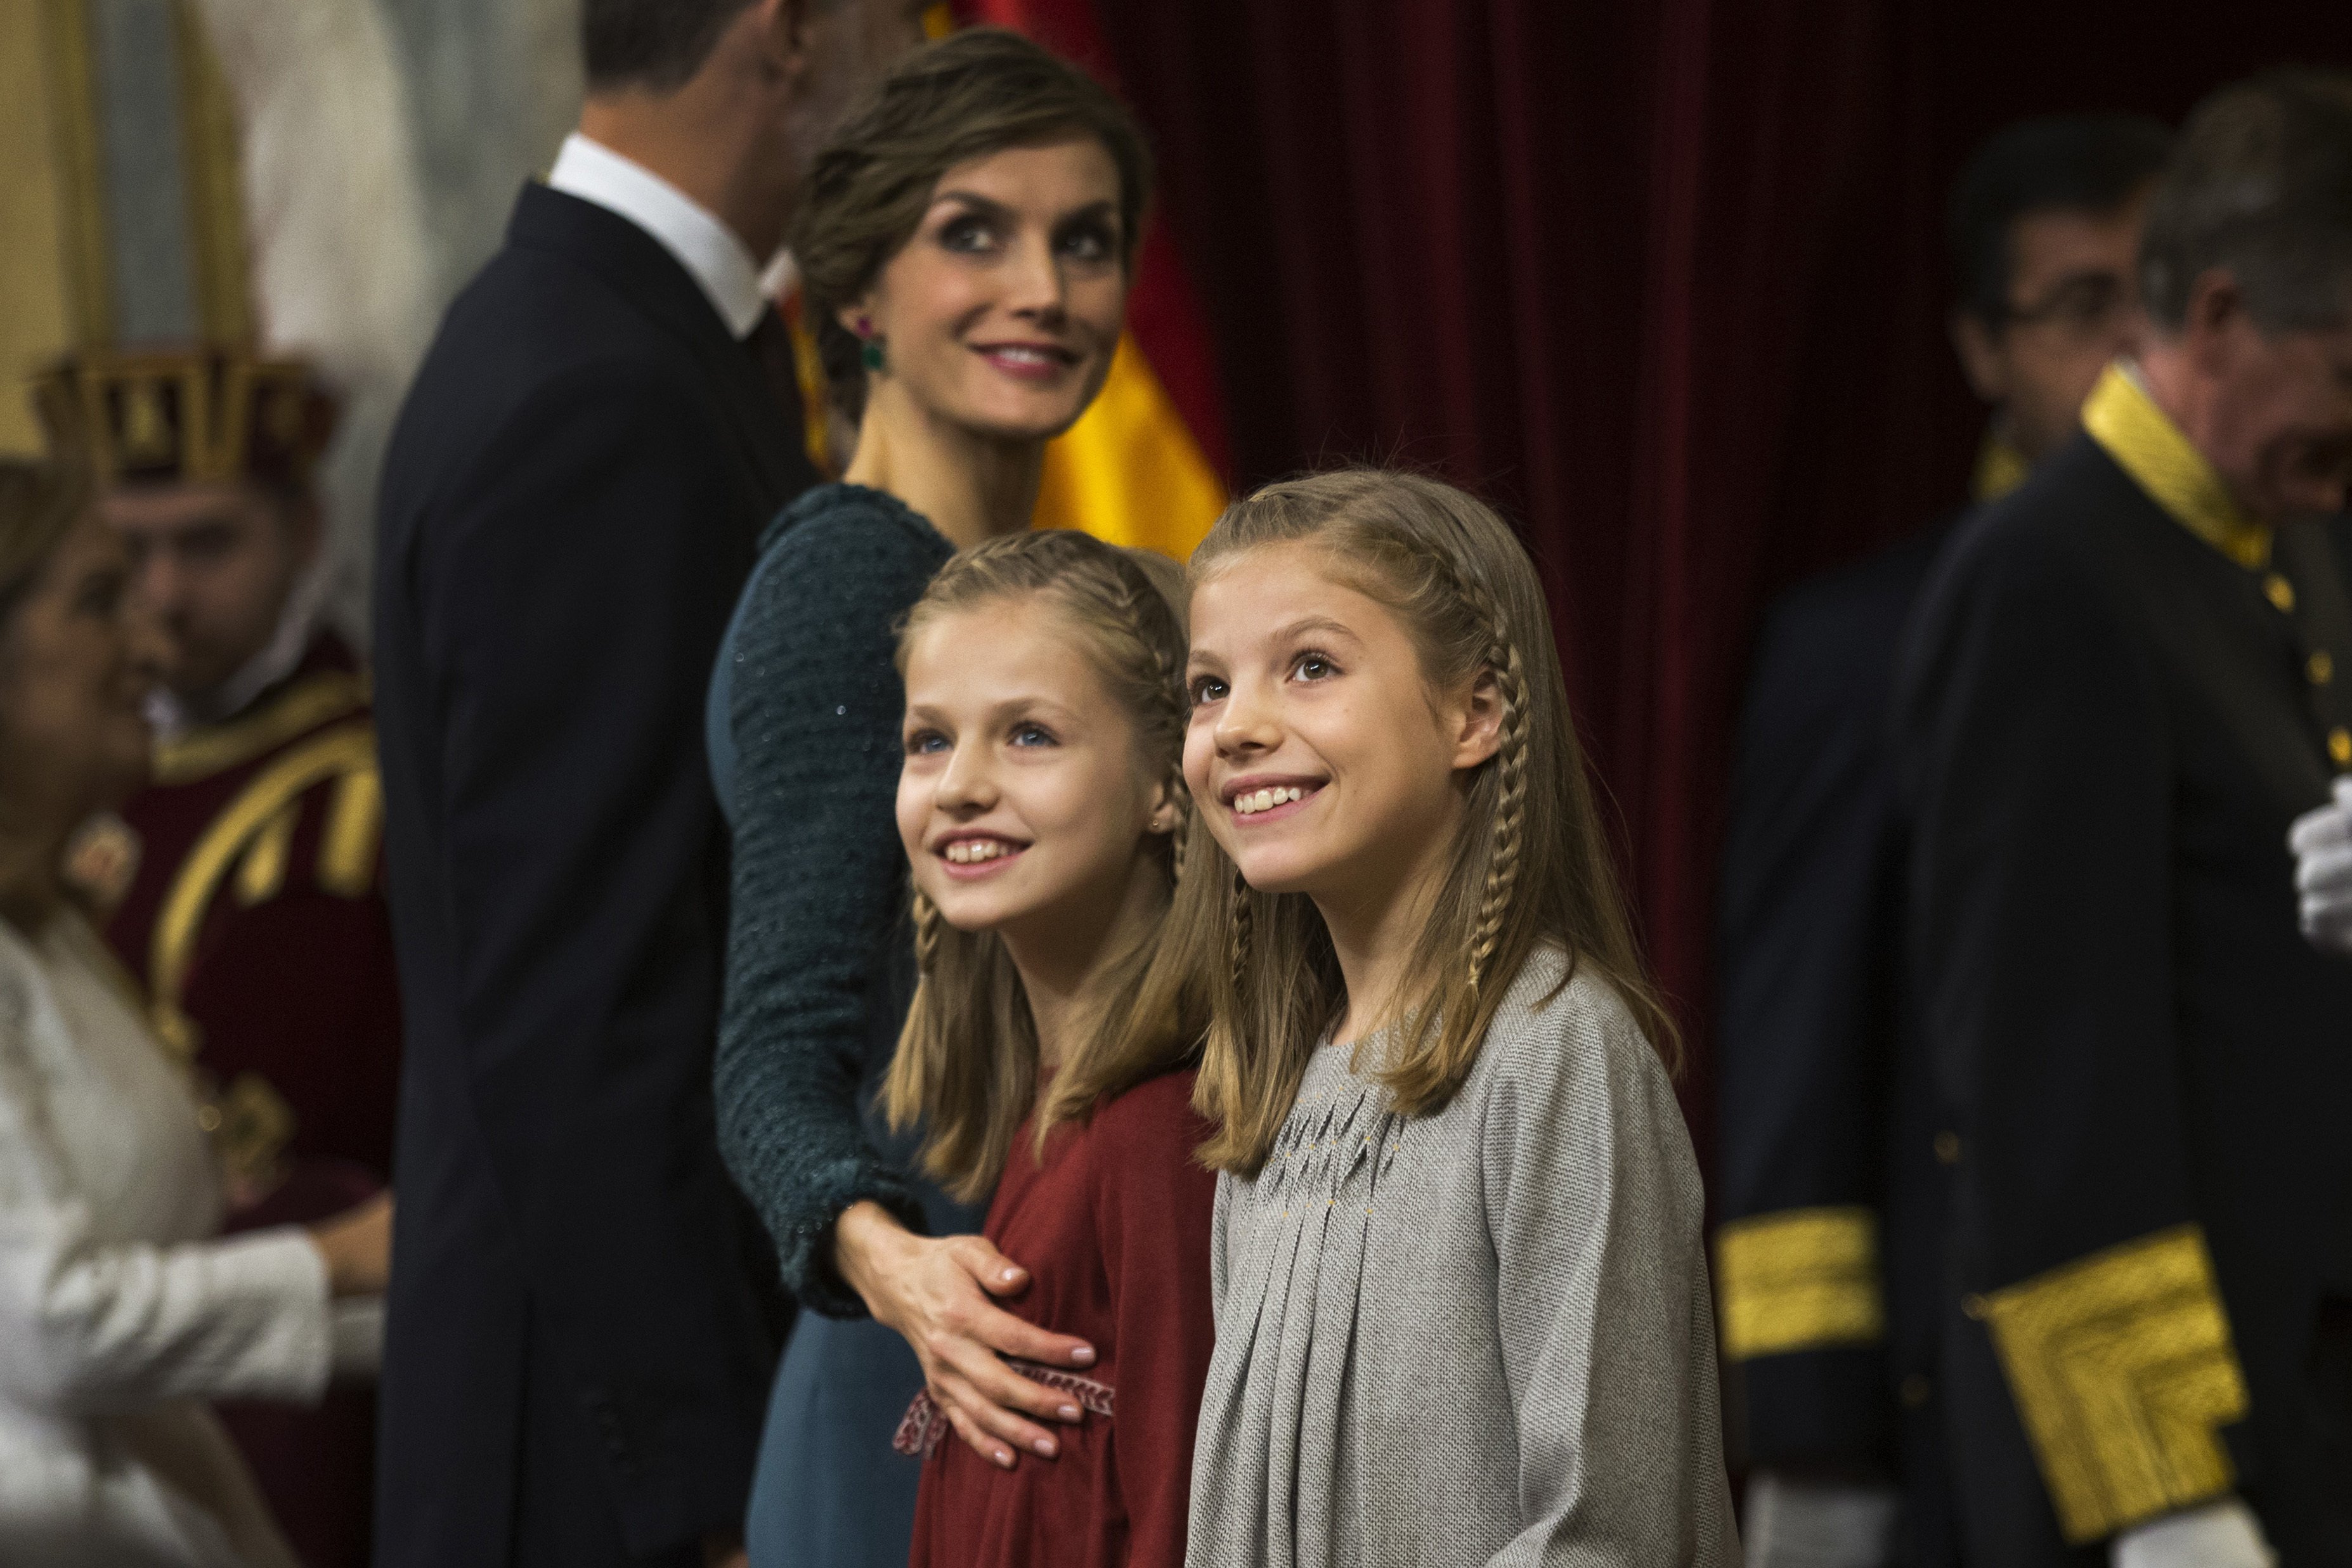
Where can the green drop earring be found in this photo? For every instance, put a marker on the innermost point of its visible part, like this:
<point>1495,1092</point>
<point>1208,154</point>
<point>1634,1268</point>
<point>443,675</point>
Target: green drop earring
<point>870,351</point>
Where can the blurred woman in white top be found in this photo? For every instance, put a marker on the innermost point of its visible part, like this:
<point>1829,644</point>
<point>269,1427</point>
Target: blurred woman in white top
<point>120,1315</point>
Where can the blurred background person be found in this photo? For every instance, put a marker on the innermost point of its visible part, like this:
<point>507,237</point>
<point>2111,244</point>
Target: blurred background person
<point>2120,690</point>
<point>969,238</point>
<point>245,881</point>
<point>1826,1262</point>
<point>582,1319</point>
<point>120,1313</point>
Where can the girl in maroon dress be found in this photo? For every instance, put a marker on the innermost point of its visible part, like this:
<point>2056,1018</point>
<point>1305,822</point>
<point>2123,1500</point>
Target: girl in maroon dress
<point>1042,809</point>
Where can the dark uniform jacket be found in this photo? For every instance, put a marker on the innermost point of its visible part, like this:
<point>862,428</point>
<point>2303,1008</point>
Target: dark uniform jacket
<point>1826,1184</point>
<point>2119,695</point>
<point>577,1360</point>
<point>256,917</point>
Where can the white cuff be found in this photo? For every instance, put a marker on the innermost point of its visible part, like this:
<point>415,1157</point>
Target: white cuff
<point>288,1349</point>
<point>1796,1524</point>
<point>2223,1534</point>
<point>356,1332</point>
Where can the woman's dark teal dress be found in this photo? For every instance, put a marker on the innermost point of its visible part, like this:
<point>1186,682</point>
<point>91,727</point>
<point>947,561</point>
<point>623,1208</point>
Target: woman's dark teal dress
<point>802,728</point>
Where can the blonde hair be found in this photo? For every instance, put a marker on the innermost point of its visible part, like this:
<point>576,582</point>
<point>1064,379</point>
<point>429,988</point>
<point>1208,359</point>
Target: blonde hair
<point>1530,865</point>
<point>966,1066</point>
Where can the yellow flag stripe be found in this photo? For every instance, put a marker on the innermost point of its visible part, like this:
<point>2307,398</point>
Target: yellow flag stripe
<point>1130,471</point>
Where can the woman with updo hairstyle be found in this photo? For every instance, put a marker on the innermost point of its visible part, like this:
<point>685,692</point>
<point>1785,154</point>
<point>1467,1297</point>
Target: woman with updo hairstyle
<point>120,1314</point>
<point>966,244</point>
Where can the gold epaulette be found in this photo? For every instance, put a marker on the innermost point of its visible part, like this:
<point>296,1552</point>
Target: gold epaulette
<point>2122,1369</point>
<point>1800,1279</point>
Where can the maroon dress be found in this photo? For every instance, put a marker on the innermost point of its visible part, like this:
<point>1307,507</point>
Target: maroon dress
<point>1114,1230</point>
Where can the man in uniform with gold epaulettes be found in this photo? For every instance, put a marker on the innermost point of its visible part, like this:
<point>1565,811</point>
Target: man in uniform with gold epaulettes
<point>245,883</point>
<point>2125,682</point>
<point>1824,1182</point>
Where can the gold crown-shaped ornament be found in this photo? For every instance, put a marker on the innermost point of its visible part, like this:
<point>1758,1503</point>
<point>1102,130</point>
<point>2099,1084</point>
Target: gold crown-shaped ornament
<point>153,416</point>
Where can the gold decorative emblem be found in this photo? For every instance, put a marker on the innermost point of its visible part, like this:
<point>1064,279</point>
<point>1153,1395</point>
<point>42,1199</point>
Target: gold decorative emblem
<point>1800,1279</point>
<point>2123,1370</point>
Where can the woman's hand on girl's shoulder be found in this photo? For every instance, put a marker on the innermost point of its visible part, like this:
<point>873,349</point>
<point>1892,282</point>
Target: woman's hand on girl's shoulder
<point>936,1294</point>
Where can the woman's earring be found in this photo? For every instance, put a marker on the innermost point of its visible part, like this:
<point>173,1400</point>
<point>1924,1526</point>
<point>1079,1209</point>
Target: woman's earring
<point>871,352</point>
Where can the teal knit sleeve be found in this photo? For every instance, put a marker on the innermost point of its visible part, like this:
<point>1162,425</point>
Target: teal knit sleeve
<point>819,878</point>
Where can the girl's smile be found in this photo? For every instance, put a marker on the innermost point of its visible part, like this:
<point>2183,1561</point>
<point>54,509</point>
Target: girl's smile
<point>1257,800</point>
<point>971,856</point>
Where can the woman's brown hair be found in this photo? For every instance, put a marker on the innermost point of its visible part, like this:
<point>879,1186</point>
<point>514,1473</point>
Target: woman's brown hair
<point>976,92</point>
<point>1530,866</point>
<point>966,1067</point>
<point>40,504</point>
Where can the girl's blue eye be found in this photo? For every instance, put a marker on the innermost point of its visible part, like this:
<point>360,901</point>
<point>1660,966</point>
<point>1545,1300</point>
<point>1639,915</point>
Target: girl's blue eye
<point>925,742</point>
<point>1032,735</point>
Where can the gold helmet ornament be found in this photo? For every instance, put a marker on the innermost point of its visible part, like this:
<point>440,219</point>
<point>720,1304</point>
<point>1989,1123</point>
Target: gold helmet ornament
<point>150,416</point>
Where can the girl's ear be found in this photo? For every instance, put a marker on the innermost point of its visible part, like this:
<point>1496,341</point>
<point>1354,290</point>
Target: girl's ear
<point>1165,805</point>
<point>1477,721</point>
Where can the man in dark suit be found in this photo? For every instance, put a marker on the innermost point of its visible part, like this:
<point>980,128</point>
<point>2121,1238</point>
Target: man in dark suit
<point>577,1358</point>
<point>2123,684</point>
<point>1826,1174</point>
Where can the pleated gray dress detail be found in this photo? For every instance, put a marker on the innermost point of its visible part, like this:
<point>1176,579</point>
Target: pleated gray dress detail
<point>1482,1336</point>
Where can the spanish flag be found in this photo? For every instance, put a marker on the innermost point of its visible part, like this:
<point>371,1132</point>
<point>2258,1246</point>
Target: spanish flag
<point>1144,465</point>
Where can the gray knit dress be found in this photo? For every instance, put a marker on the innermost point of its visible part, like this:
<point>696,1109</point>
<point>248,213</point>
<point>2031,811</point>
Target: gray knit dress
<point>1482,1336</point>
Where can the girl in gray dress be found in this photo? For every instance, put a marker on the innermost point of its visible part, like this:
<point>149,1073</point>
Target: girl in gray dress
<point>1462,1308</point>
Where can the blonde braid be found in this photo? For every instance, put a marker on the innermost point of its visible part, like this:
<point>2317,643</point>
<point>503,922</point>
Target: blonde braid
<point>927,934</point>
<point>1510,778</point>
<point>1242,918</point>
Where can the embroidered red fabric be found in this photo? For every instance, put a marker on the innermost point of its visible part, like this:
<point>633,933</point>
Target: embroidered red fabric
<point>924,1424</point>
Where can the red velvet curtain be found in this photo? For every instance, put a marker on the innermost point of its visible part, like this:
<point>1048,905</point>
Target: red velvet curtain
<point>1665,280</point>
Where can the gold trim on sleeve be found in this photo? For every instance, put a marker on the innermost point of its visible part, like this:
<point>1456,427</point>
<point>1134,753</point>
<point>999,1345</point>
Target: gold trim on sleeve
<point>308,704</point>
<point>347,853</point>
<point>1800,1279</point>
<point>261,875</point>
<point>2122,1369</point>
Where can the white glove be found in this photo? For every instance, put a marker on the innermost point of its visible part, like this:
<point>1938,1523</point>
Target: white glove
<point>1802,1524</point>
<point>2223,1534</point>
<point>355,1338</point>
<point>2322,842</point>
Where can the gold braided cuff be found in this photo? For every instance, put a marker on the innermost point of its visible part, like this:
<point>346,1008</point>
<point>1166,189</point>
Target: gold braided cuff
<point>1801,1278</point>
<point>2122,1368</point>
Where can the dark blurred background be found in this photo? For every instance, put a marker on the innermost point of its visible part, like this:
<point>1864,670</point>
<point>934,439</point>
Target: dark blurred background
<point>1667,280</point>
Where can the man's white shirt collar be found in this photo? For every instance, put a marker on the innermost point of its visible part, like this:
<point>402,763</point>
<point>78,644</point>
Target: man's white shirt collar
<point>706,248</point>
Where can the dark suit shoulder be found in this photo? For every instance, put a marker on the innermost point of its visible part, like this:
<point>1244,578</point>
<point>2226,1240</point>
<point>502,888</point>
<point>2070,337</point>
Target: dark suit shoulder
<point>1832,639</point>
<point>532,315</point>
<point>2064,523</point>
